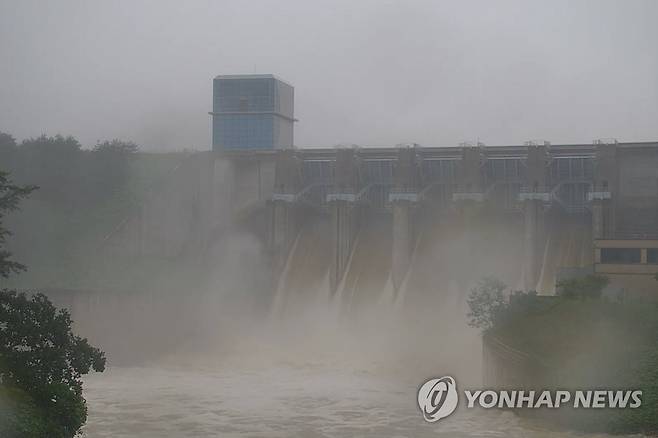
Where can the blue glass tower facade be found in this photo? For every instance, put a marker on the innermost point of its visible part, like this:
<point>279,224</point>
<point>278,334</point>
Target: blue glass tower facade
<point>252,112</point>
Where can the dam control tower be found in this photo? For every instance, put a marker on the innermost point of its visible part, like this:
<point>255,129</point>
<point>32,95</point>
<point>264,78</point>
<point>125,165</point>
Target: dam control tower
<point>252,112</point>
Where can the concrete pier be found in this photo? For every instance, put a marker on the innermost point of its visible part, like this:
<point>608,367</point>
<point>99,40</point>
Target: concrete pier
<point>404,200</point>
<point>533,241</point>
<point>345,212</point>
<point>535,199</point>
<point>284,205</point>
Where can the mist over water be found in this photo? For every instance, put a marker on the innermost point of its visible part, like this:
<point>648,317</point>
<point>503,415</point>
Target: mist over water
<point>236,358</point>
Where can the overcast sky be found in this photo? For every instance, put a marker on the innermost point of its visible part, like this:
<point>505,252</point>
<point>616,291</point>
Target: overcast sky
<point>366,72</point>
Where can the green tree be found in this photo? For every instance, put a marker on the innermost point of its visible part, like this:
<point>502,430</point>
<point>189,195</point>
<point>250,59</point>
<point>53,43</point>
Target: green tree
<point>40,356</point>
<point>7,141</point>
<point>117,147</point>
<point>7,148</point>
<point>54,164</point>
<point>487,303</point>
<point>10,196</point>
<point>590,286</point>
<point>110,166</point>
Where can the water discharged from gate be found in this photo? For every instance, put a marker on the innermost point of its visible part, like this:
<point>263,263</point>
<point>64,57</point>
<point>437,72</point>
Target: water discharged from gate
<point>319,362</point>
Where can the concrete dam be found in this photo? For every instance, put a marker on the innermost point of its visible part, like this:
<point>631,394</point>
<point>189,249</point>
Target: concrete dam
<point>409,226</point>
<point>350,217</point>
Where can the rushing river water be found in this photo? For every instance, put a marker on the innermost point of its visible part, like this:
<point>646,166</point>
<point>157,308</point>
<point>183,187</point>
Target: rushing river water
<point>283,401</point>
<point>322,364</point>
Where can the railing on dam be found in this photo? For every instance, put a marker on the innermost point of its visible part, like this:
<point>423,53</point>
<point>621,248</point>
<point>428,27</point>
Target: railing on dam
<point>571,175</point>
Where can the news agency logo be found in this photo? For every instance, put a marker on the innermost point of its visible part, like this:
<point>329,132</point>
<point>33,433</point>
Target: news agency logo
<point>438,398</point>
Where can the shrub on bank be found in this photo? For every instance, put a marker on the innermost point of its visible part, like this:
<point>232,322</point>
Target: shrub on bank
<point>580,340</point>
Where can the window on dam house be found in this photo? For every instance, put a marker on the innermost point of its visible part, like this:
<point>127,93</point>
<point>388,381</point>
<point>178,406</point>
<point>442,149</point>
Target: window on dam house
<point>652,256</point>
<point>622,256</point>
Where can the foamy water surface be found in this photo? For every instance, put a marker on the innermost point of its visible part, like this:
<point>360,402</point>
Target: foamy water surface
<point>283,401</point>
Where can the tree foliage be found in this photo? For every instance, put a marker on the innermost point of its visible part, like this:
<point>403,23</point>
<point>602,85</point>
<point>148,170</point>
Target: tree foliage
<point>7,141</point>
<point>83,193</point>
<point>40,356</point>
<point>116,147</point>
<point>110,166</point>
<point>10,196</point>
<point>51,163</point>
<point>68,174</point>
<point>7,147</point>
<point>590,286</point>
<point>486,303</point>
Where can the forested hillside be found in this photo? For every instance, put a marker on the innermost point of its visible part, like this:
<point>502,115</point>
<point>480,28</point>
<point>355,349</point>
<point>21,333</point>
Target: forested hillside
<point>84,194</point>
